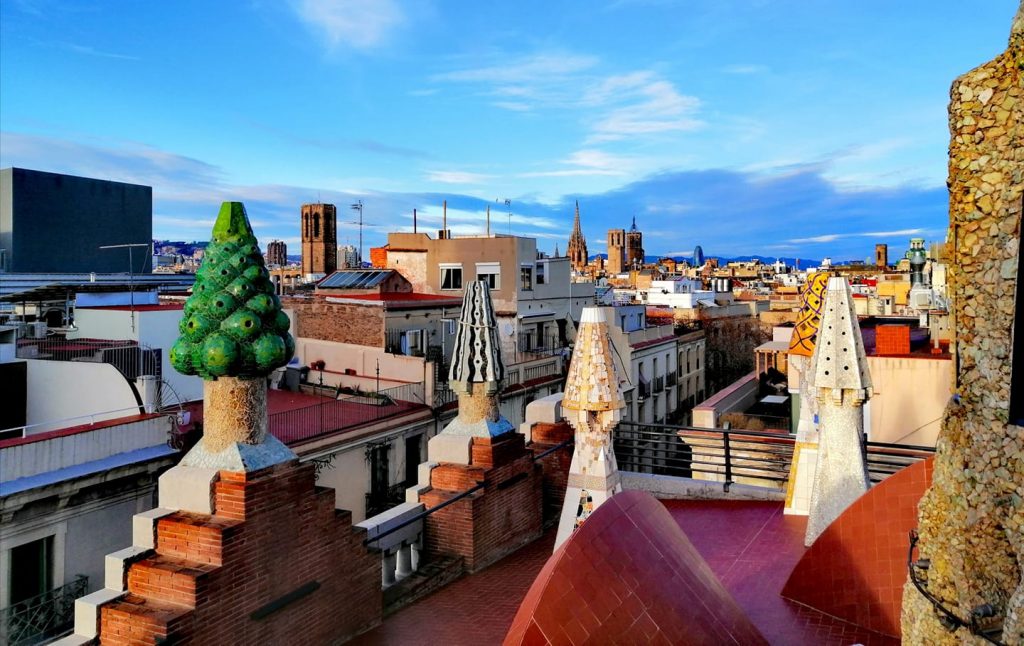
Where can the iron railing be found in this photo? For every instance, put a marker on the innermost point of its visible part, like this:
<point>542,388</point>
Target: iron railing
<point>343,408</point>
<point>659,384</point>
<point>730,456</point>
<point>130,358</point>
<point>42,617</point>
<point>543,370</point>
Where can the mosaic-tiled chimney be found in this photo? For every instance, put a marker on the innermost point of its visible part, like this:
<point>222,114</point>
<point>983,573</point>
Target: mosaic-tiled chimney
<point>842,384</point>
<point>475,375</point>
<point>593,405</point>
<point>801,377</point>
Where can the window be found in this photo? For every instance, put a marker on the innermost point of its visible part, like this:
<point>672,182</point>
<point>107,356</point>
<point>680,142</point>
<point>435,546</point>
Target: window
<point>526,278</point>
<point>541,271</point>
<point>490,273</point>
<point>413,343</point>
<point>451,276</point>
<point>31,569</point>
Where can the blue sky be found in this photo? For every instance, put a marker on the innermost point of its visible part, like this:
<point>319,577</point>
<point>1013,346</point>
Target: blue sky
<point>798,128</point>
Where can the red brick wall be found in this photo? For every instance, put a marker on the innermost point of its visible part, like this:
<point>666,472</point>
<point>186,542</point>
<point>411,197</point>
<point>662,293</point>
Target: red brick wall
<point>892,339</point>
<point>555,465</point>
<point>496,520</point>
<point>272,533</point>
<point>358,324</point>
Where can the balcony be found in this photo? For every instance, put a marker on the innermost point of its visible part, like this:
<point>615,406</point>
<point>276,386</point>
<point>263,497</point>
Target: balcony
<point>643,389</point>
<point>42,617</point>
<point>670,379</point>
<point>659,384</point>
<point>650,334</point>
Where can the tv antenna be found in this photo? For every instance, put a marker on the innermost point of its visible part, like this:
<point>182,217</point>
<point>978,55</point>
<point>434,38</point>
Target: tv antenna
<point>508,205</point>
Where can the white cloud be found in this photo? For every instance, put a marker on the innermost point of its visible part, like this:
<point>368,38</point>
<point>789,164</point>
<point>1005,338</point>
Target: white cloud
<point>514,106</point>
<point>457,177</point>
<point>361,24</point>
<point>746,68</point>
<point>588,162</point>
<point>525,71</point>
<point>657,107</point>
<point>678,253</point>
<point>616,106</point>
<point>832,237</point>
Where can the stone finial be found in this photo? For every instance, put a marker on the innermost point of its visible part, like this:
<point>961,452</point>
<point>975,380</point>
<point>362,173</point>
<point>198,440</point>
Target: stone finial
<point>475,375</point>
<point>842,383</point>
<point>593,405</point>
<point>592,383</point>
<point>476,358</point>
<point>839,362</point>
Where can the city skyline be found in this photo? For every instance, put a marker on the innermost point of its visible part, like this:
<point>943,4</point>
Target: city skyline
<point>748,128</point>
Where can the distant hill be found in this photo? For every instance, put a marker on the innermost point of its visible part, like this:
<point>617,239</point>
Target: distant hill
<point>790,261</point>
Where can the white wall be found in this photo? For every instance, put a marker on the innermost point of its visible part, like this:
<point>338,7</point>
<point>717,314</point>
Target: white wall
<point>910,397</point>
<point>29,459</point>
<point>159,329</point>
<point>154,328</point>
<point>60,391</point>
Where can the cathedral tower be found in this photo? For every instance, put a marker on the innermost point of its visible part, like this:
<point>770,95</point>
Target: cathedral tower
<point>616,251</point>
<point>319,238</point>
<point>634,247</point>
<point>577,245</point>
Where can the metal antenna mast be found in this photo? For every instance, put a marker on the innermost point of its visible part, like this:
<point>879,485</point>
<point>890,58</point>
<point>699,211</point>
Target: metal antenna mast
<point>131,272</point>
<point>358,206</point>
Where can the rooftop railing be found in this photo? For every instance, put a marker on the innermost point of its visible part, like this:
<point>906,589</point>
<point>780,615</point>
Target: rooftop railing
<point>344,408</point>
<point>130,358</point>
<point>735,456</point>
<point>43,617</point>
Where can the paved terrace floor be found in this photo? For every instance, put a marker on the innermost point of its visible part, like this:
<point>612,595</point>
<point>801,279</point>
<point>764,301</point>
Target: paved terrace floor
<point>751,547</point>
<point>295,417</point>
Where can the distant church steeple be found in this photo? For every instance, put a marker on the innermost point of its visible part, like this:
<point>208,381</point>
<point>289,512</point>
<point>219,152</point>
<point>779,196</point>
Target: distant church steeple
<point>577,251</point>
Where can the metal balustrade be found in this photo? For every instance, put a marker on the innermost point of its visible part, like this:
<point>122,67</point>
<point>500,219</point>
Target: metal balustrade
<point>42,617</point>
<point>733,456</point>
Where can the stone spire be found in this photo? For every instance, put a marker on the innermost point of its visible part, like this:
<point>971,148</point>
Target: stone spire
<point>577,250</point>
<point>593,405</point>
<point>477,369</point>
<point>801,348</point>
<point>842,384</point>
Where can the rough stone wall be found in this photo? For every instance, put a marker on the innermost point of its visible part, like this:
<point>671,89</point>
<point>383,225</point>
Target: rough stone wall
<point>971,521</point>
<point>339,322</point>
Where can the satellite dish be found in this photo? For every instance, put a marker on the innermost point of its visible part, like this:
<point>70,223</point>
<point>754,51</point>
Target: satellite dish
<point>509,330</point>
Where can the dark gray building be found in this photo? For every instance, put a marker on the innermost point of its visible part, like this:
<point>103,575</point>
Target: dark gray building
<point>57,223</point>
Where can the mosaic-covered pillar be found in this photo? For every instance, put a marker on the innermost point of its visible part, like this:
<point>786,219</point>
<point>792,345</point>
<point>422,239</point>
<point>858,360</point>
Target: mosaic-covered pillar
<point>801,349</point>
<point>593,405</point>
<point>842,384</point>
